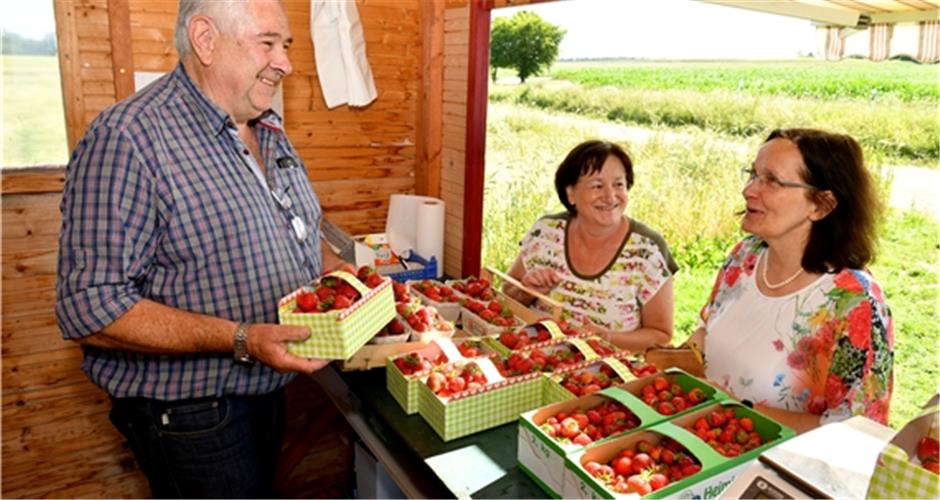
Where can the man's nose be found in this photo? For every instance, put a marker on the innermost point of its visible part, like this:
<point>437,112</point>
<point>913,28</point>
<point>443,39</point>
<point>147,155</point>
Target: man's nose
<point>281,62</point>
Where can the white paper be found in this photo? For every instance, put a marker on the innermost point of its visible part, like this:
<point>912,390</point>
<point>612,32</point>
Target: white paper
<point>416,223</point>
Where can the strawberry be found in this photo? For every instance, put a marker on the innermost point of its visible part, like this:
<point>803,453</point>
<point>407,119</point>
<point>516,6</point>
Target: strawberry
<point>928,449</point>
<point>307,301</point>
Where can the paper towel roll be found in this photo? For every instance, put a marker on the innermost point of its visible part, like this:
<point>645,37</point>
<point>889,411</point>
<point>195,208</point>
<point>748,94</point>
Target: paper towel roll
<point>416,223</point>
<point>430,229</point>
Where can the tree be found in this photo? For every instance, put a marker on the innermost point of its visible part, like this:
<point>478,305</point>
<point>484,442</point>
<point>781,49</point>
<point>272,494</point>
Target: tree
<point>525,42</point>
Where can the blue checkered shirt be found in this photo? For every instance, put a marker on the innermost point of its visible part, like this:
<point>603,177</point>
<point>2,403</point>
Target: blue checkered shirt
<point>161,202</point>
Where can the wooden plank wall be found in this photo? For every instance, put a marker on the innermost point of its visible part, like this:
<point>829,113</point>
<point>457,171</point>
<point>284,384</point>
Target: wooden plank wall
<point>56,438</point>
<point>456,52</point>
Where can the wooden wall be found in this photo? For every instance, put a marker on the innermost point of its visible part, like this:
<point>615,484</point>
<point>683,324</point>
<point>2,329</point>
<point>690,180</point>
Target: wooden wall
<point>56,438</point>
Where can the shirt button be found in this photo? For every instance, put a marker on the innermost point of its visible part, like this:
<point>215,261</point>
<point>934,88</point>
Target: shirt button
<point>245,152</point>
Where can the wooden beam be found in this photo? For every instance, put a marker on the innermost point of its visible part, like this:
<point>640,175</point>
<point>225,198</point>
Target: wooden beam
<point>429,133</point>
<point>914,16</point>
<point>66,33</point>
<point>814,12</point>
<point>122,55</point>
<point>39,179</point>
<point>474,171</point>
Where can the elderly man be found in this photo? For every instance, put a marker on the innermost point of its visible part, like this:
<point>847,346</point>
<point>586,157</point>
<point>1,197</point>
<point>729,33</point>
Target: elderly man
<point>186,214</point>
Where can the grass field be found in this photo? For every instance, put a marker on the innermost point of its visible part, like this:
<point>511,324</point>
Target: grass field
<point>33,116</point>
<point>894,128</point>
<point>688,188</point>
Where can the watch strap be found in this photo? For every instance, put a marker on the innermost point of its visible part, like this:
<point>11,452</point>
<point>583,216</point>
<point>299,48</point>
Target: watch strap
<point>241,344</point>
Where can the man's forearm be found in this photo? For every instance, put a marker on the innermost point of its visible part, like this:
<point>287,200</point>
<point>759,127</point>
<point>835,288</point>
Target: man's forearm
<point>154,328</point>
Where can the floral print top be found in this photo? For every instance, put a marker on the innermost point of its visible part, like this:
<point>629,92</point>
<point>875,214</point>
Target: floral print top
<point>614,297</point>
<point>827,349</point>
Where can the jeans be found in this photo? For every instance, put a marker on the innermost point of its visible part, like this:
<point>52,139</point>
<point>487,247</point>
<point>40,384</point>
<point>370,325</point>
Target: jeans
<point>224,447</point>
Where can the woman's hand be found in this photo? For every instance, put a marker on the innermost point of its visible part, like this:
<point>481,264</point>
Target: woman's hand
<point>542,279</point>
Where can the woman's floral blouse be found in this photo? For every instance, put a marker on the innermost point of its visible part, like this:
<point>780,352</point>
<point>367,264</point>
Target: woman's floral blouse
<point>827,349</point>
<point>614,297</point>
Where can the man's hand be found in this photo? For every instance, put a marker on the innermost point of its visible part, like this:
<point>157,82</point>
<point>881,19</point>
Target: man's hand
<point>268,344</point>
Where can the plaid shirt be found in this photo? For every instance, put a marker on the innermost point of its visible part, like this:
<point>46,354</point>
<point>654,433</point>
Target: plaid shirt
<point>161,202</point>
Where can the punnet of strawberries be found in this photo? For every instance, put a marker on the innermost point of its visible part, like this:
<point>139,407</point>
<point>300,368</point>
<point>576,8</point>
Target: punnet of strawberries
<point>588,381</point>
<point>438,292</point>
<point>422,318</point>
<point>493,312</point>
<point>669,398</point>
<point>472,348</point>
<point>728,434</point>
<point>393,328</point>
<point>332,293</point>
<point>545,359</point>
<point>402,292</point>
<point>645,467</point>
<point>476,288</point>
<point>415,362</point>
<point>582,427</point>
<point>450,380</point>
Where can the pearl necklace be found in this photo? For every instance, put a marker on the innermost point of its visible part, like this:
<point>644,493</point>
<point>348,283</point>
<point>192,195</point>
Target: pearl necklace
<point>783,283</point>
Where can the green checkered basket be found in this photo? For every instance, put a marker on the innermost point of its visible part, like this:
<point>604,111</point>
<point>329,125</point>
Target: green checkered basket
<point>476,410</point>
<point>895,476</point>
<point>553,392</point>
<point>339,334</point>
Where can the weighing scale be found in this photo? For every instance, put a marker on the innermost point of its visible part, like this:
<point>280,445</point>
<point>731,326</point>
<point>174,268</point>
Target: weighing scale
<point>832,461</point>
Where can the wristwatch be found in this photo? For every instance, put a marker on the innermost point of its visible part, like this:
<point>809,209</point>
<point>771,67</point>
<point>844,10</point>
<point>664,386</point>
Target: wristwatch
<point>241,345</point>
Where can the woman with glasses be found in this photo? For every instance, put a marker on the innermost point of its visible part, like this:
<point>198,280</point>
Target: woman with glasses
<point>611,273</point>
<point>795,322</point>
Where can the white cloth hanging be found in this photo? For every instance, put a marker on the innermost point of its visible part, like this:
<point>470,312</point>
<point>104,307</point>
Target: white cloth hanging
<point>340,53</point>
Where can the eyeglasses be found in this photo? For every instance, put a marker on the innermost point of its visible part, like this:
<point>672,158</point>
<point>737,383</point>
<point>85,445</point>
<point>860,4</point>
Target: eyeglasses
<point>296,222</point>
<point>749,175</point>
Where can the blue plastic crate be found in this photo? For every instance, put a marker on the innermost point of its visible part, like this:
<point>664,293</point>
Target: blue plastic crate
<point>428,271</point>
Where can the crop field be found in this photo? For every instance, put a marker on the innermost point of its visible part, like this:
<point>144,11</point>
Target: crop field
<point>848,79</point>
<point>705,96</point>
<point>688,188</point>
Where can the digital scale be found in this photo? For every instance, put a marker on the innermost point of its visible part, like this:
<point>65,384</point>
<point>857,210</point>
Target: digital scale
<point>832,461</point>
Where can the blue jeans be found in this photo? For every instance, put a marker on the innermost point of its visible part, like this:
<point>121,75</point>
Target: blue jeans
<point>224,447</point>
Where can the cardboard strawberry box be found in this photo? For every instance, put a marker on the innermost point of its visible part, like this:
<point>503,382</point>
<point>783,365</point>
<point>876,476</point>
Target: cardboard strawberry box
<point>440,296</point>
<point>715,471</point>
<point>403,384</point>
<point>339,333</point>
<point>489,319</point>
<point>674,384</point>
<point>576,381</point>
<point>541,453</point>
<point>425,323</point>
<point>497,402</point>
<point>474,288</point>
<point>538,333</point>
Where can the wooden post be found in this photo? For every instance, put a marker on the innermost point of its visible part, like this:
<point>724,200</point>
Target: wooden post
<point>474,174</point>
<point>122,55</point>
<point>66,32</point>
<point>429,134</point>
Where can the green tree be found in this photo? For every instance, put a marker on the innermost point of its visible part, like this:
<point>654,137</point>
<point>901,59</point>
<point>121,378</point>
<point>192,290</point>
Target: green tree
<point>525,42</point>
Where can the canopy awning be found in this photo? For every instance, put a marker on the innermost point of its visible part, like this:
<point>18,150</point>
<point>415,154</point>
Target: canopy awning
<point>848,13</point>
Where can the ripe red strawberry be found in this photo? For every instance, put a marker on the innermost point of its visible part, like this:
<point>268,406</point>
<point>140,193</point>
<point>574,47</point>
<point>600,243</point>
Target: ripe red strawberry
<point>374,280</point>
<point>928,449</point>
<point>341,302</point>
<point>307,301</point>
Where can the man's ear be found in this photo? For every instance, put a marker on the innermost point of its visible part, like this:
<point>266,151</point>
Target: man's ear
<point>825,203</point>
<point>202,36</point>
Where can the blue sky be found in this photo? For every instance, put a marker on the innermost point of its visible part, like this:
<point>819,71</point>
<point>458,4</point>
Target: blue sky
<point>671,29</point>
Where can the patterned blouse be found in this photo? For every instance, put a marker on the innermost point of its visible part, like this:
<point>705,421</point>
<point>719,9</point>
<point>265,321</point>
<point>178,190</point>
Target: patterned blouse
<point>827,349</point>
<point>612,298</point>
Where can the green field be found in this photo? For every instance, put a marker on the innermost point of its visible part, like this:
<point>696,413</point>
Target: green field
<point>33,116</point>
<point>687,187</point>
<point>892,128</point>
<point>809,78</point>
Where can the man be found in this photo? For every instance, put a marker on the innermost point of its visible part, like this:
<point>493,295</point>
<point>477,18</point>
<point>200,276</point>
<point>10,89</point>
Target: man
<point>186,215</point>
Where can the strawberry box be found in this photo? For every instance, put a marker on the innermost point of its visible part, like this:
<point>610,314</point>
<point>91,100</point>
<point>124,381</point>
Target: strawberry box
<point>489,319</point>
<point>533,334</point>
<point>551,356</point>
<point>339,333</point>
<point>585,378</point>
<point>465,412</point>
<point>903,466</point>
<point>440,296</point>
<point>402,384</point>
<point>424,323</point>
<point>693,469</point>
<point>474,288</point>
<point>395,332</point>
<point>541,453</point>
<point>663,392</point>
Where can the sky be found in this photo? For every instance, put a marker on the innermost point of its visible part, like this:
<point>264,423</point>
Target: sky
<point>647,29</point>
<point>671,29</point>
